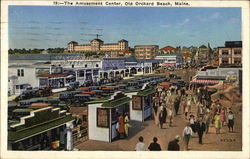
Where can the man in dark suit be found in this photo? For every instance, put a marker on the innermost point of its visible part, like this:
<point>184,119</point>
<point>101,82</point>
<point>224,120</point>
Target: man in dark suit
<point>154,146</point>
<point>173,145</point>
<point>200,127</point>
<point>177,104</point>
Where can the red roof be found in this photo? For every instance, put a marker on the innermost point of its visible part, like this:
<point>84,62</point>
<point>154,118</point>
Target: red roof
<point>84,87</point>
<point>165,83</point>
<point>168,48</point>
<point>53,75</point>
<point>186,54</point>
<point>108,88</point>
<point>88,92</point>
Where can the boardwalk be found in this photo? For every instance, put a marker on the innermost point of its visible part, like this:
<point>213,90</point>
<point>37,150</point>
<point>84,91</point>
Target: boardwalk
<point>211,141</point>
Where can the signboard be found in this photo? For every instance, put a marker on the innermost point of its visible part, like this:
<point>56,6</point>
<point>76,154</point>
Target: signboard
<point>42,71</point>
<point>102,117</point>
<point>137,103</point>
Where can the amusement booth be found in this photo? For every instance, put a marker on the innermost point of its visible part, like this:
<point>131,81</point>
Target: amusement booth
<point>141,106</point>
<point>103,116</point>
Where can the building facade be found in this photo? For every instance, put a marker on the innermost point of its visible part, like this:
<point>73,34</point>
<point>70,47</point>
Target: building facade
<point>146,51</point>
<point>173,60</point>
<point>44,129</point>
<point>97,45</point>
<point>231,53</point>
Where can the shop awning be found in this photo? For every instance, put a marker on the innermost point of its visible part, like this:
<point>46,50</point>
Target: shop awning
<point>146,92</point>
<point>117,102</point>
<point>205,81</point>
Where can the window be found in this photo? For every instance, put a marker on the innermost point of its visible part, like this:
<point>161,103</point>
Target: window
<point>86,65</point>
<point>237,61</point>
<point>102,117</point>
<point>20,72</point>
<point>225,61</point>
<point>97,65</point>
<point>224,52</point>
<point>237,52</point>
<point>17,86</point>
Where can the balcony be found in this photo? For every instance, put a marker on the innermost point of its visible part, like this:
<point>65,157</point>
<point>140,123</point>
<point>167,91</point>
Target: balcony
<point>224,56</point>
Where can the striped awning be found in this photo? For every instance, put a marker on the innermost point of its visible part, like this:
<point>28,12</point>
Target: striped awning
<point>205,81</point>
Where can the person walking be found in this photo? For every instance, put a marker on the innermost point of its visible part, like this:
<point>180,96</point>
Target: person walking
<point>140,146</point>
<point>171,116</point>
<point>192,123</point>
<point>186,112</point>
<point>126,122</point>
<point>177,104</point>
<point>184,104</point>
<point>207,121</point>
<point>189,103</point>
<point>230,124</point>
<point>164,114</point>
<point>187,133</point>
<point>200,129</point>
<point>200,111</point>
<point>223,116</point>
<point>173,145</point>
<point>217,123</point>
<point>161,117</point>
<point>154,146</point>
<point>121,128</point>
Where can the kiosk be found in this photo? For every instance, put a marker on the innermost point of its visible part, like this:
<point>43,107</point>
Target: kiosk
<point>142,103</point>
<point>103,116</point>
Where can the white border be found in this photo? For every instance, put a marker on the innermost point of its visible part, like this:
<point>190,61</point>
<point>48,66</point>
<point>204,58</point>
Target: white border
<point>128,154</point>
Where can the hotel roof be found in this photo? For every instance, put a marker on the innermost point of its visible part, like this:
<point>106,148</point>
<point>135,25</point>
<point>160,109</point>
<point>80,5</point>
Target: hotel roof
<point>168,48</point>
<point>123,40</point>
<point>99,40</point>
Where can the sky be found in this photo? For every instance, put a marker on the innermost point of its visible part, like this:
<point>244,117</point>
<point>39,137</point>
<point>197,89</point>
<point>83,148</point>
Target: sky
<point>54,26</point>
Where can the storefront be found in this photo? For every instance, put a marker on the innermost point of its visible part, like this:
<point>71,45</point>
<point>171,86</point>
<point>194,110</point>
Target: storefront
<point>55,80</point>
<point>103,116</point>
<point>141,105</point>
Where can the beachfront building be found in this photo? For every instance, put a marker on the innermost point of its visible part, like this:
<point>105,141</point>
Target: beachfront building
<point>213,76</point>
<point>44,129</point>
<point>202,54</point>
<point>231,53</point>
<point>146,51</point>
<point>138,67</point>
<point>22,76</point>
<point>97,45</point>
<point>173,60</point>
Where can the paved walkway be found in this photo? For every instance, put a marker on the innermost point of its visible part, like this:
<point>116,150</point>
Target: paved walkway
<point>211,141</point>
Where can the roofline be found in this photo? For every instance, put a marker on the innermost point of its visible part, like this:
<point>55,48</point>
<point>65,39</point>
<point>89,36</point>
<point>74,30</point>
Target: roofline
<point>145,45</point>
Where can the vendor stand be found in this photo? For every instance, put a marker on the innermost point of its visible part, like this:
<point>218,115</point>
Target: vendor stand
<point>142,103</point>
<point>103,116</point>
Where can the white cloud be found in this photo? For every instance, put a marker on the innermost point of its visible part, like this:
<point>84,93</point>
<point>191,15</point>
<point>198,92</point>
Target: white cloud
<point>234,20</point>
<point>215,15</point>
<point>185,21</point>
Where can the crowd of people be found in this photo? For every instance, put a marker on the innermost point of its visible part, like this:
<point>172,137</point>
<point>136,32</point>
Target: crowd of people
<point>196,105</point>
